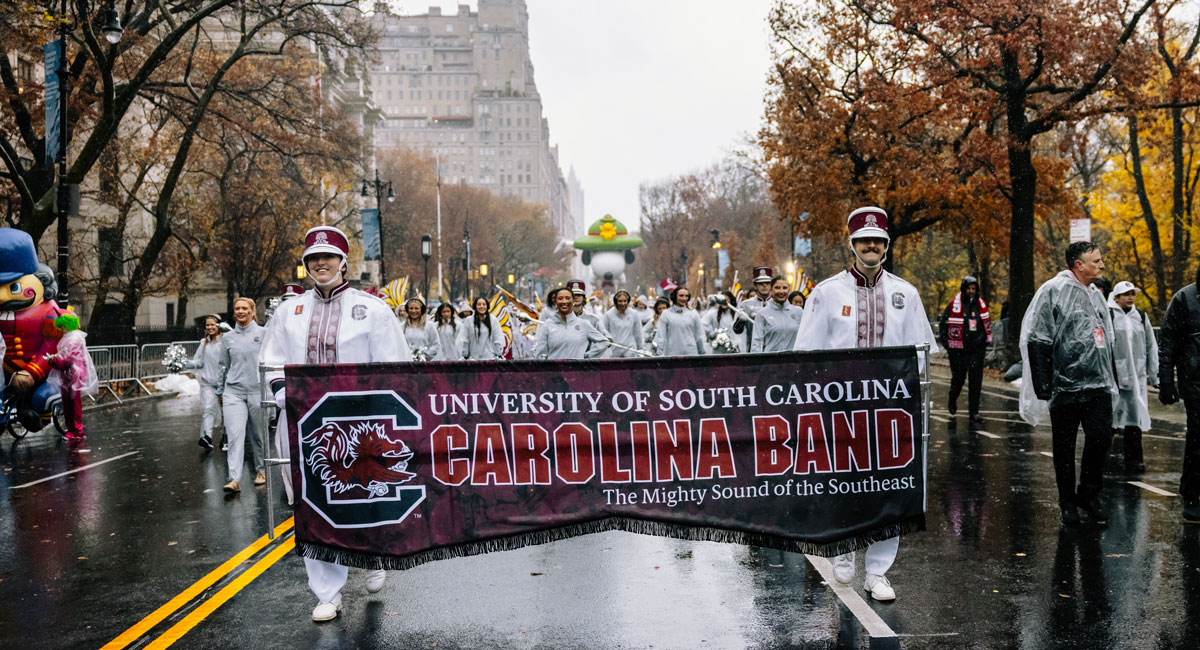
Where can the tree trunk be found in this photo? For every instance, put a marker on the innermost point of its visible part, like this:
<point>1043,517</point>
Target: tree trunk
<point>1139,181</point>
<point>1023,176</point>
<point>1179,242</point>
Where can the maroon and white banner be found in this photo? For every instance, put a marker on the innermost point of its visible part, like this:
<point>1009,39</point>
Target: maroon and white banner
<point>398,464</point>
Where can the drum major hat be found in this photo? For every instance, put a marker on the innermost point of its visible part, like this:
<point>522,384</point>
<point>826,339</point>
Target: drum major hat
<point>763,274</point>
<point>577,287</point>
<point>868,222</point>
<point>292,289</point>
<point>326,239</point>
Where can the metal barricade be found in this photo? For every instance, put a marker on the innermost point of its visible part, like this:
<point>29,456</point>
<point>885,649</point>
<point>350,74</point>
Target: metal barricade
<point>151,355</point>
<point>125,365</point>
<point>102,361</point>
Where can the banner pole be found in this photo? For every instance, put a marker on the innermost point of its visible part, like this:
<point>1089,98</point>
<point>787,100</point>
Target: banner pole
<point>926,405</point>
<point>264,424</point>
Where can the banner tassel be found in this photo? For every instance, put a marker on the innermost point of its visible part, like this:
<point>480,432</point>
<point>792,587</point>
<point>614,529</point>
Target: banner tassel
<point>363,560</point>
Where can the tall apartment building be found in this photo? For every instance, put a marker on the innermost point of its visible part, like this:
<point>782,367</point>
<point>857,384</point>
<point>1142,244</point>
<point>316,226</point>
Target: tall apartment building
<point>461,87</point>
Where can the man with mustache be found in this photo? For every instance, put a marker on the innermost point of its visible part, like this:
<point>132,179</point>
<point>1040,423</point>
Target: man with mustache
<point>865,307</point>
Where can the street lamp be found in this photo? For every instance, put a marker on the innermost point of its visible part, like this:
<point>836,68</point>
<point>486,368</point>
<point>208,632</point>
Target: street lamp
<point>112,33</point>
<point>703,280</point>
<point>467,259</point>
<point>483,273</point>
<point>301,272</point>
<point>716,245</point>
<point>426,251</point>
<point>379,186</point>
<point>511,279</point>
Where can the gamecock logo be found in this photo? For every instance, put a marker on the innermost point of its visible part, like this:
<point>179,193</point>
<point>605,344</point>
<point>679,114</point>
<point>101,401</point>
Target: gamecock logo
<point>363,456</point>
<point>356,470</point>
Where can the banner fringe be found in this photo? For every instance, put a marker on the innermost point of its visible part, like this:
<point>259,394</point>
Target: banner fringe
<point>362,560</point>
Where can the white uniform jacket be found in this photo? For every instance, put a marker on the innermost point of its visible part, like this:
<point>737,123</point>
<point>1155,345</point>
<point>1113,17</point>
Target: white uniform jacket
<point>680,333</point>
<point>846,312</point>
<point>625,329</point>
<point>775,327</point>
<point>350,326</point>
<point>574,339</point>
<point>481,344</point>
<point>716,319</point>
<point>423,338</point>
<point>448,342</point>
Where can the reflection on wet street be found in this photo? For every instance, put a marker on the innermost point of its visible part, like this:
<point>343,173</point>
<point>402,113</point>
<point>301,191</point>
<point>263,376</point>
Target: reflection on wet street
<point>95,538</point>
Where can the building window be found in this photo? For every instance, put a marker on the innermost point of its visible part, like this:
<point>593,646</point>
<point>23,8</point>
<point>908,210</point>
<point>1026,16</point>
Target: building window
<point>109,240</point>
<point>170,314</point>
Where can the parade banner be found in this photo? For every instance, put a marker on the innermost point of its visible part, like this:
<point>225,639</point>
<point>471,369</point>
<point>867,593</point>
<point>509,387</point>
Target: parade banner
<point>399,464</point>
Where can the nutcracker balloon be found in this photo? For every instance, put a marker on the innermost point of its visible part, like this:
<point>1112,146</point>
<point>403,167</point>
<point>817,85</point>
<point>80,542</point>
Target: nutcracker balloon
<point>607,248</point>
<point>34,326</point>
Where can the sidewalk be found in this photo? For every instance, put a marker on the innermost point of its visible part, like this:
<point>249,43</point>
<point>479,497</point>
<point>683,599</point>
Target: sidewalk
<point>1171,417</point>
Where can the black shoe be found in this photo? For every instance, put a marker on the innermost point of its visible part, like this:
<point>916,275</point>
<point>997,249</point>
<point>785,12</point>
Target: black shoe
<point>1191,513</point>
<point>953,408</point>
<point>30,419</point>
<point>1069,514</point>
<point>976,422</point>
<point>1091,505</point>
<point>205,442</point>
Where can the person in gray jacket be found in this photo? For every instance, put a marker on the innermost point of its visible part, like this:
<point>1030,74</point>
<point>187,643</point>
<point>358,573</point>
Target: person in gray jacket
<point>480,335</point>
<point>563,335</point>
<point>1066,344</point>
<point>680,332</point>
<point>208,361</point>
<point>776,324</point>
<point>1135,351</point>
<point>243,393</point>
<point>624,325</point>
<point>419,331</point>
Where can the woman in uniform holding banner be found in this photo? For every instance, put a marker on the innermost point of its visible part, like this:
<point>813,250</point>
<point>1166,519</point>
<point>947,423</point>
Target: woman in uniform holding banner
<point>446,325</point>
<point>680,332</point>
<point>624,326</point>
<point>332,324</point>
<point>564,335</point>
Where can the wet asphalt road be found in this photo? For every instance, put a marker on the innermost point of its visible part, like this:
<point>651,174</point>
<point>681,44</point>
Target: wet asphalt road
<point>85,557</point>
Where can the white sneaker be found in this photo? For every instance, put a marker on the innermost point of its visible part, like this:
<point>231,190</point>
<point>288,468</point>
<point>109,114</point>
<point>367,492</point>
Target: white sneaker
<point>879,587</point>
<point>328,611</point>
<point>843,569</point>
<point>375,580</point>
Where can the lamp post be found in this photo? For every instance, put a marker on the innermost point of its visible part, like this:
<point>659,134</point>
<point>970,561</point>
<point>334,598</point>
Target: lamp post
<point>483,273</point>
<point>426,251</point>
<point>716,245</point>
<point>367,184</point>
<point>703,280</point>
<point>467,259</point>
<point>112,31</point>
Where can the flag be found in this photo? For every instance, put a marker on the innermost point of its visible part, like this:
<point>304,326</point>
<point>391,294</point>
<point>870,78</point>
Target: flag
<point>498,307</point>
<point>395,291</point>
<point>520,306</point>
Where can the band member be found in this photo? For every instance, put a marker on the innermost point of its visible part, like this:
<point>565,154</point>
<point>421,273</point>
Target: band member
<point>480,335</point>
<point>680,332</point>
<point>724,316</point>
<point>762,296</point>
<point>866,307</point>
<point>242,393</point>
<point>447,325</point>
<point>579,297</point>
<point>330,324</point>
<point>208,361</point>
<point>776,324</point>
<point>624,326</point>
<point>420,331</point>
<point>564,335</point>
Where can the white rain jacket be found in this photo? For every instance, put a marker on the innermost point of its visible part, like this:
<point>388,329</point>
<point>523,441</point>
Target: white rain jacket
<point>423,339</point>
<point>1135,352</point>
<point>448,341</point>
<point>625,329</point>
<point>680,333</point>
<point>775,327</point>
<point>716,320</point>
<point>574,339</point>
<point>1070,332</point>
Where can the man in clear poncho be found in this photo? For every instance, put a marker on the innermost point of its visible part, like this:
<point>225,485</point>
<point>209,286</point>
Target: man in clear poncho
<point>1066,347</point>
<point>1136,353</point>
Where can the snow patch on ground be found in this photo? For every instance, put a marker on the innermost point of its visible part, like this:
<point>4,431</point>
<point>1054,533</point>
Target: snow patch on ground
<point>182,384</point>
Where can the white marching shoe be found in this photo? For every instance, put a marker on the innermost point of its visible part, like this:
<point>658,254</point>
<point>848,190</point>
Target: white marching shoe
<point>328,611</point>
<point>843,569</point>
<point>879,587</point>
<point>375,580</point>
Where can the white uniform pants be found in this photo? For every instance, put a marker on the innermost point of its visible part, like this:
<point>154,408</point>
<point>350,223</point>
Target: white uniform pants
<point>284,452</point>
<point>325,579</point>
<point>241,412</point>
<point>209,405</point>
<point>879,557</point>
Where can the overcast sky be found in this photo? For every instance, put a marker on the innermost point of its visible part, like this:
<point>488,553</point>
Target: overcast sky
<point>639,90</point>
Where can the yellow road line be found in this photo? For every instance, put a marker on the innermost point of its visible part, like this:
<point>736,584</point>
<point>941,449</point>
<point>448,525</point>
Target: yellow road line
<point>134,633</point>
<point>228,591</point>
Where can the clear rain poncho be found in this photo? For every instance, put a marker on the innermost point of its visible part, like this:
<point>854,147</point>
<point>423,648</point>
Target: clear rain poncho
<point>1071,323</point>
<point>1136,353</point>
